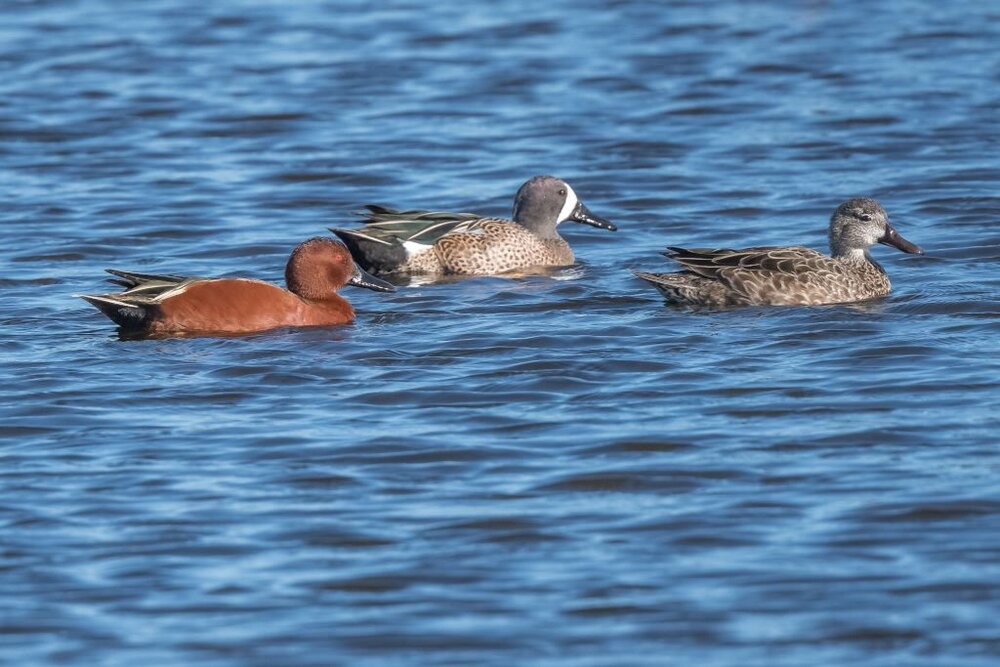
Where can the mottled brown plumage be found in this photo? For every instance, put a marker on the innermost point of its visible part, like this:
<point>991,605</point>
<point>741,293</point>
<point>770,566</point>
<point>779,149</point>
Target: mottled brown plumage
<point>789,275</point>
<point>437,242</point>
<point>492,245</point>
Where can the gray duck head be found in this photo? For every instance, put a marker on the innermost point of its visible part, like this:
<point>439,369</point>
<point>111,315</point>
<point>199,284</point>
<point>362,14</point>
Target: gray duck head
<point>860,223</point>
<point>545,201</point>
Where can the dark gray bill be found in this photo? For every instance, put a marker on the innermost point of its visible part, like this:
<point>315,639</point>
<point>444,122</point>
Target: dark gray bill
<point>362,278</point>
<point>582,214</point>
<point>892,237</point>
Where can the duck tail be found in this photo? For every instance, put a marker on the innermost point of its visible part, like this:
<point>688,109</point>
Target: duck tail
<point>675,287</point>
<point>373,254</point>
<point>124,314</point>
<point>660,279</point>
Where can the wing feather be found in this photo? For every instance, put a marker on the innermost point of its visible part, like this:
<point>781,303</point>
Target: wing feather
<point>752,272</point>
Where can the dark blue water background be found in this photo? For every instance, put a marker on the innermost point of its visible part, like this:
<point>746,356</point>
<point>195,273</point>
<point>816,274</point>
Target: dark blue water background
<point>546,471</point>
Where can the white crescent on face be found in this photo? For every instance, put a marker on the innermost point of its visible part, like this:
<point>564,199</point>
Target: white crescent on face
<point>567,209</point>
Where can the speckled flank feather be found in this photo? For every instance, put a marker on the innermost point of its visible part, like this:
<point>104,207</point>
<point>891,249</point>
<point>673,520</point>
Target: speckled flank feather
<point>768,276</point>
<point>789,275</point>
<point>492,246</point>
<point>437,242</point>
<point>483,246</point>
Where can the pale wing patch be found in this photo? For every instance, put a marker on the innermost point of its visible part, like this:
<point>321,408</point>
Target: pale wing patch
<point>433,231</point>
<point>183,287</point>
<point>362,235</point>
<point>480,227</point>
<point>180,289</point>
<point>413,249</point>
<point>105,299</point>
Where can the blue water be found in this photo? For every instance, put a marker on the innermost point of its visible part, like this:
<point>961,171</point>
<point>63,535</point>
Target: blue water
<point>549,470</point>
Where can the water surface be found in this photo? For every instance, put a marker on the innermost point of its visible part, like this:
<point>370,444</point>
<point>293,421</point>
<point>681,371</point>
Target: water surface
<point>546,470</point>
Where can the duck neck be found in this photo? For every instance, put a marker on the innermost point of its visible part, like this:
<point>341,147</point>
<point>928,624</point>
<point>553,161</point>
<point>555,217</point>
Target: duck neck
<point>859,256</point>
<point>333,303</point>
<point>548,233</point>
<point>327,300</point>
<point>541,229</point>
<point>855,255</point>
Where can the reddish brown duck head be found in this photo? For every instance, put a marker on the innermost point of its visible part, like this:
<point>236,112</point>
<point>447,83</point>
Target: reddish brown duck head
<point>320,266</point>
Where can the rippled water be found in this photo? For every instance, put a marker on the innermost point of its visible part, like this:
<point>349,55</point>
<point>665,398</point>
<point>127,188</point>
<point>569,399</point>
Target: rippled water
<point>494,471</point>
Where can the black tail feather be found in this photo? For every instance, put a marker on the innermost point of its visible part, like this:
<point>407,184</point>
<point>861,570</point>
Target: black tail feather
<point>373,256</point>
<point>125,315</point>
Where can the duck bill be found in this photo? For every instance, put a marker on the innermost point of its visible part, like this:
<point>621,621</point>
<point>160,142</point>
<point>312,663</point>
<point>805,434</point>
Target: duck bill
<point>361,278</point>
<point>893,238</point>
<point>583,215</point>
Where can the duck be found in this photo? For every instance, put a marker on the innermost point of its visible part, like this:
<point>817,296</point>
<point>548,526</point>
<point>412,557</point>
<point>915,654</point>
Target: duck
<point>165,304</point>
<point>789,275</point>
<point>437,242</point>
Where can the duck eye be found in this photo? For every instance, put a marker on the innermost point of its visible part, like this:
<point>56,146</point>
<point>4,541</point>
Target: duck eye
<point>563,192</point>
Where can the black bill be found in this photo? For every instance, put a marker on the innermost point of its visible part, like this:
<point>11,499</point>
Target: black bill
<point>893,238</point>
<point>362,278</point>
<point>582,214</point>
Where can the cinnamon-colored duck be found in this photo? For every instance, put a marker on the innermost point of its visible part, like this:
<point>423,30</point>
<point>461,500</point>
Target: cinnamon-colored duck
<point>170,304</point>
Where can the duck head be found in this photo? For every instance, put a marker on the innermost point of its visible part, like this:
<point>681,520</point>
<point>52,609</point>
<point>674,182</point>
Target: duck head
<point>320,266</point>
<point>545,201</point>
<point>860,223</point>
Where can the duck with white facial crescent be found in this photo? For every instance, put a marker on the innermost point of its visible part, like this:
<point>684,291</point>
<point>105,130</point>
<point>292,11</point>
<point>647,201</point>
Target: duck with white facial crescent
<point>437,242</point>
